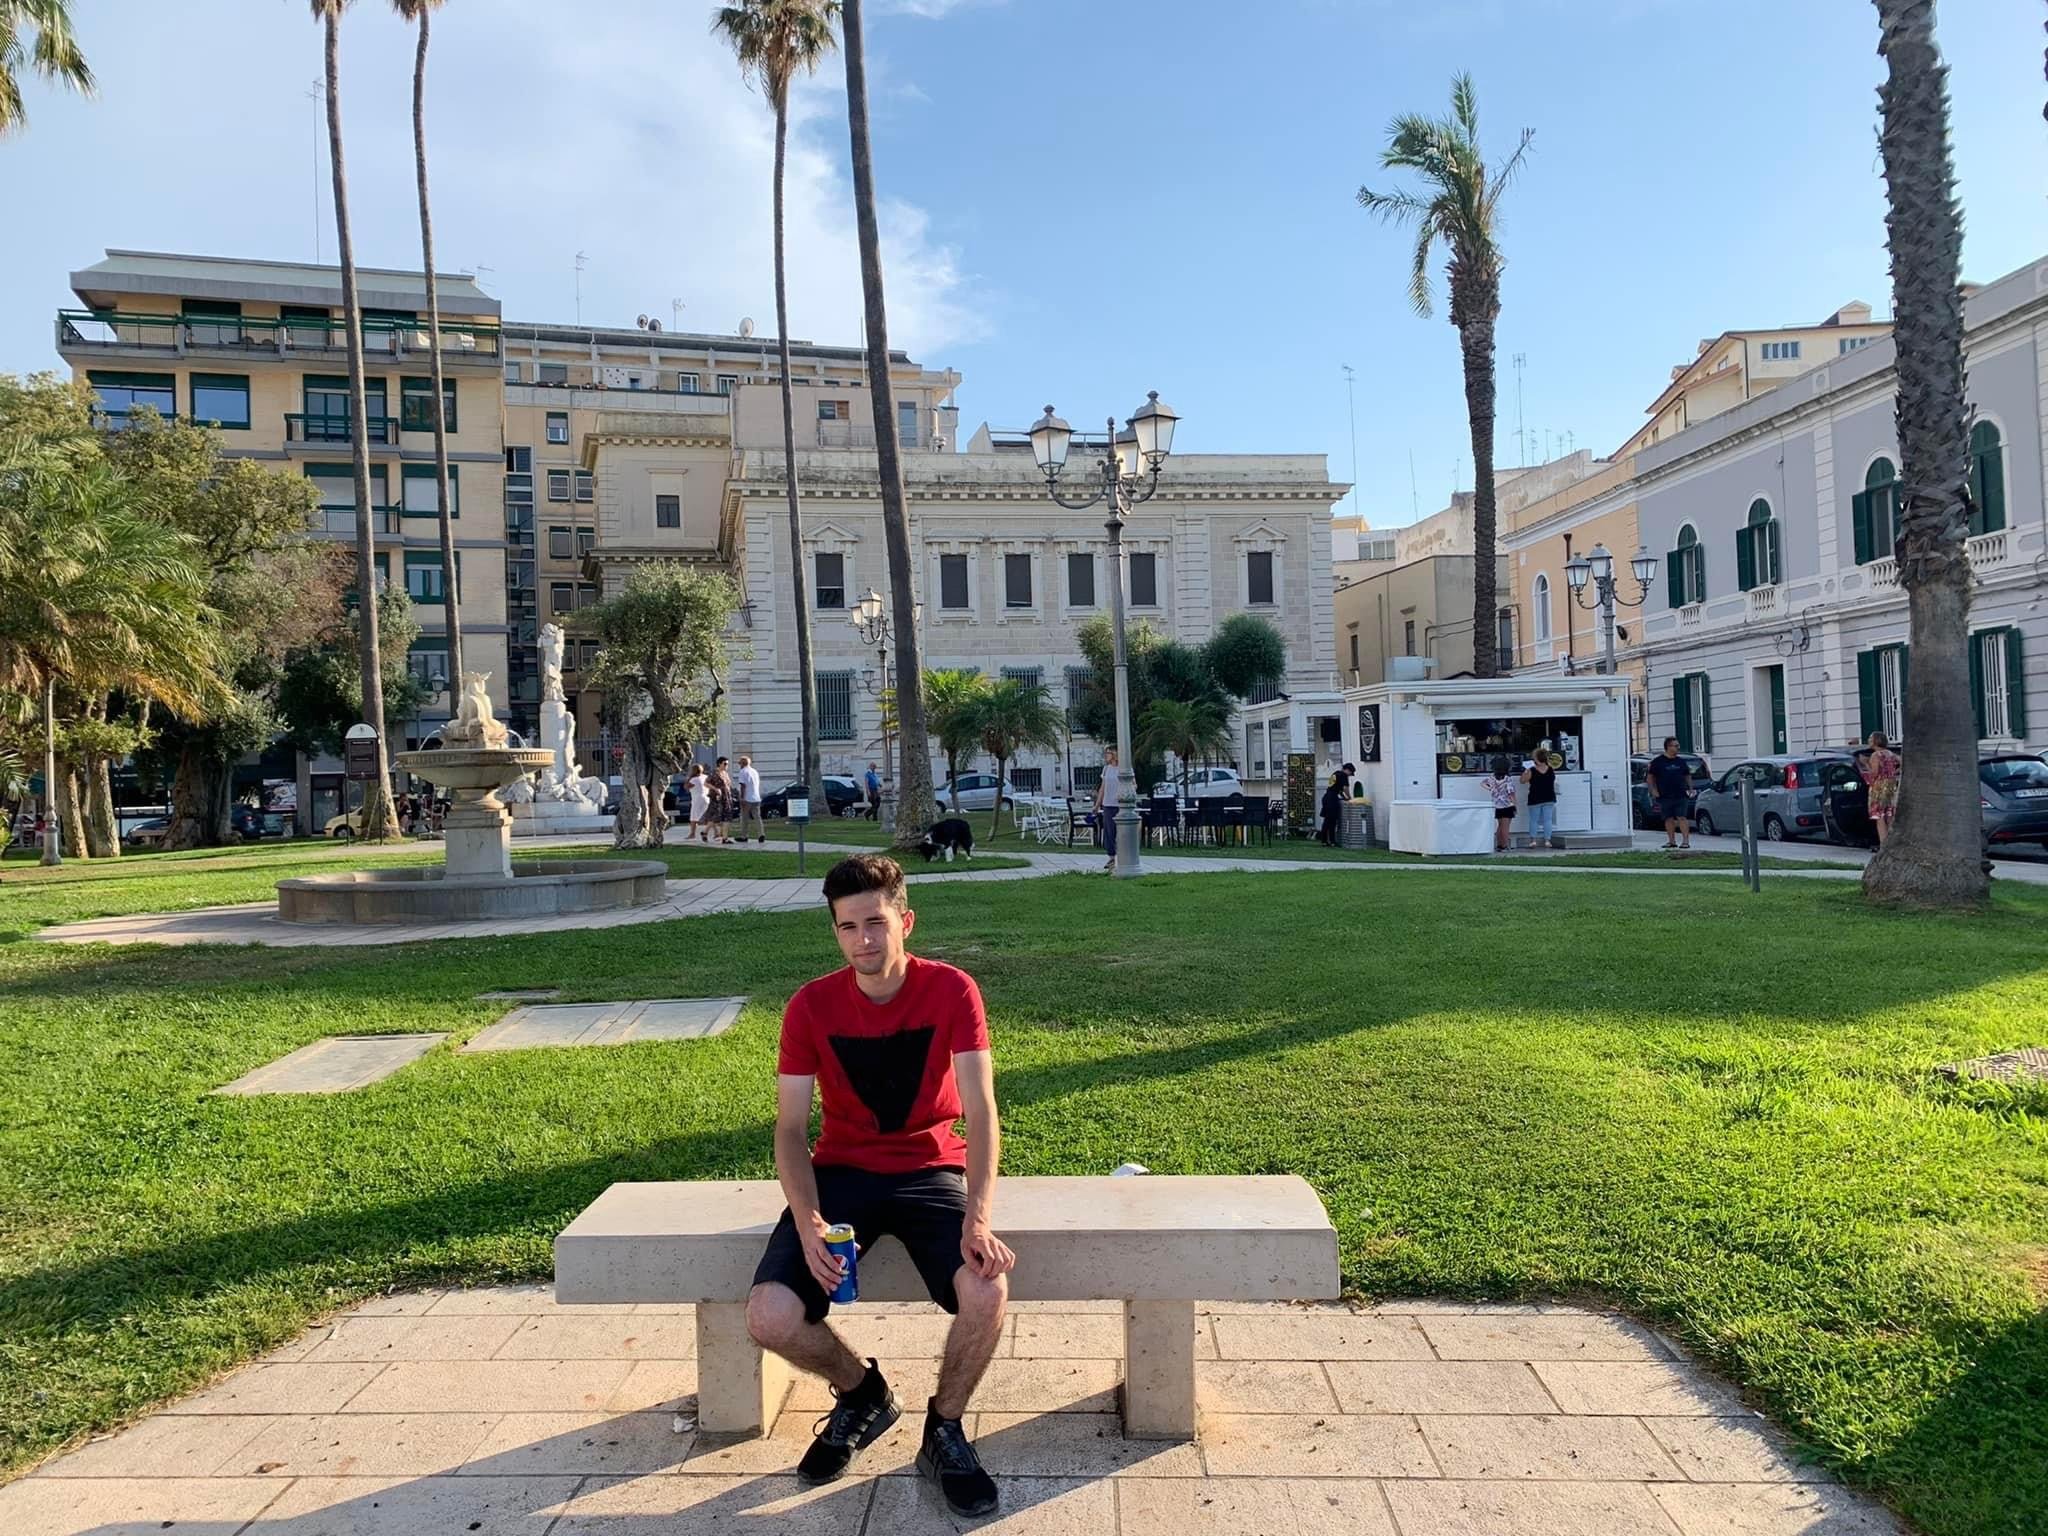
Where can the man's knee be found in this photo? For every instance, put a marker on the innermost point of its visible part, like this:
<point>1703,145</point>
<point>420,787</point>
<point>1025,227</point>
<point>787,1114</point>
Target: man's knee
<point>774,1314</point>
<point>980,1295</point>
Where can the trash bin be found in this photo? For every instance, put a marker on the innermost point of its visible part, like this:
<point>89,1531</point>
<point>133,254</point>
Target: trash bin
<point>1355,830</point>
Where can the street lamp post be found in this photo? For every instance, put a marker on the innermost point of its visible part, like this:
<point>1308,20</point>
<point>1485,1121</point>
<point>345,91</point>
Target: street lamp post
<point>870,620</point>
<point>1596,569</point>
<point>1129,477</point>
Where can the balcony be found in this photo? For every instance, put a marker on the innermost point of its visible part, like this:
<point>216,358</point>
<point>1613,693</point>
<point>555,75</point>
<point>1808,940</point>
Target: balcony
<point>80,330</point>
<point>330,429</point>
<point>1764,603</point>
<point>1987,551</point>
<point>1882,575</point>
<point>1689,616</point>
<point>846,434</point>
<point>340,522</point>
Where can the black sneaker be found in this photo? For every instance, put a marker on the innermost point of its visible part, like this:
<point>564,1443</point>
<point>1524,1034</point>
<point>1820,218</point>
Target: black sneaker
<point>858,1419</point>
<point>948,1460</point>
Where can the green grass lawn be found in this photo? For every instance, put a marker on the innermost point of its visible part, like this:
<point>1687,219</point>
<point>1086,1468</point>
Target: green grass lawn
<point>31,896</point>
<point>1711,1108</point>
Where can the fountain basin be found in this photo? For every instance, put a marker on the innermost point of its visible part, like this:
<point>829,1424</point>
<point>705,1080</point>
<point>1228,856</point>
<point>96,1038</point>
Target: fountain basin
<point>426,894</point>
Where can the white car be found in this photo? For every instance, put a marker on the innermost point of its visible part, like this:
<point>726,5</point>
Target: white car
<point>1203,784</point>
<point>977,792</point>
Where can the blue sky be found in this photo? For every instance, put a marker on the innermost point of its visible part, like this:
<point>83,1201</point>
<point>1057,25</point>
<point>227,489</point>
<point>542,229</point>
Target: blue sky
<point>1086,199</point>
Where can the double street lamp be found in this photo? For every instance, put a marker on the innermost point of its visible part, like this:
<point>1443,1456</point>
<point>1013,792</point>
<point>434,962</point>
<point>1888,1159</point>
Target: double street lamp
<point>870,621</point>
<point>1127,477</point>
<point>1596,569</point>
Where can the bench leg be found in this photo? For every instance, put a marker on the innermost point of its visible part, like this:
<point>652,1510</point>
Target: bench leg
<point>1159,1370</point>
<point>740,1386</point>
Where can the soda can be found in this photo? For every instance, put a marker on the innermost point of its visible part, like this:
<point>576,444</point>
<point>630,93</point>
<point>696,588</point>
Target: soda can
<point>839,1240</point>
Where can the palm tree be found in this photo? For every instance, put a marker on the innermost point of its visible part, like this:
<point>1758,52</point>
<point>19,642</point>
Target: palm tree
<point>1189,729</point>
<point>914,809</point>
<point>775,40</point>
<point>1460,206</point>
<point>1934,855</point>
<point>419,11</point>
<point>55,54</point>
<point>1015,716</point>
<point>378,820</point>
<point>953,697</point>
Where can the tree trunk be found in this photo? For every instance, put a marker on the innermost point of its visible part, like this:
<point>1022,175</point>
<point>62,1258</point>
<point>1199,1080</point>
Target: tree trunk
<point>378,820</point>
<point>52,840</point>
<point>199,801</point>
<point>914,778</point>
<point>102,827</point>
<point>451,597</point>
<point>302,782</point>
<point>71,810</point>
<point>1934,856</point>
<point>1475,318</point>
<point>995,815</point>
<point>806,672</point>
<point>639,820</point>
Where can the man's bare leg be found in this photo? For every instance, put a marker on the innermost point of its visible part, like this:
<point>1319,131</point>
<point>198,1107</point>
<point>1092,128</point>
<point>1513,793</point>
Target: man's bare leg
<point>971,1341</point>
<point>775,1319</point>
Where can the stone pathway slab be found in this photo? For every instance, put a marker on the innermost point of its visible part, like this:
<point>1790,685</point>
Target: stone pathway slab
<point>334,1065</point>
<point>614,1023</point>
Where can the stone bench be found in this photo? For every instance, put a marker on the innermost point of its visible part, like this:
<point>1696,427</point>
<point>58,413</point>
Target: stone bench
<point>1157,1244</point>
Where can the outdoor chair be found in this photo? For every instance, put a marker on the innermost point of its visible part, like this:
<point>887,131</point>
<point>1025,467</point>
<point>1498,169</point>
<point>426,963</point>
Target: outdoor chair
<point>1258,817</point>
<point>1162,821</point>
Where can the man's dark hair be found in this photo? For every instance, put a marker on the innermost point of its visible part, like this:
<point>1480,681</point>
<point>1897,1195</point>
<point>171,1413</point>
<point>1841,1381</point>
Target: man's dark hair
<point>1670,741</point>
<point>865,872</point>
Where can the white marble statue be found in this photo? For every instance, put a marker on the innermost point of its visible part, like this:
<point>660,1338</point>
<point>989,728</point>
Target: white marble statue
<point>474,725</point>
<point>551,646</point>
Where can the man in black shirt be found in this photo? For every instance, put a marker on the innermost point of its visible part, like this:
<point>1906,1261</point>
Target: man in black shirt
<point>1672,792</point>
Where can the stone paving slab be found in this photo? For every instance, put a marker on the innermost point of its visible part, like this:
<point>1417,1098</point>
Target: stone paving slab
<point>498,1412</point>
<point>614,1023</point>
<point>336,1064</point>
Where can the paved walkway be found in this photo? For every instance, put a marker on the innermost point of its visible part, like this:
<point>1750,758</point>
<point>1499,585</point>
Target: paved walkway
<point>497,1412</point>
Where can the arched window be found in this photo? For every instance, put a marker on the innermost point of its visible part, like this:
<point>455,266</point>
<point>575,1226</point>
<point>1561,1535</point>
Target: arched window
<point>1756,548</point>
<point>1540,605</point>
<point>1686,570</point>
<point>1874,512</point>
<point>1987,478</point>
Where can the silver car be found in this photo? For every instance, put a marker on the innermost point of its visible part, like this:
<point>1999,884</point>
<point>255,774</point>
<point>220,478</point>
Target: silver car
<point>977,792</point>
<point>1789,797</point>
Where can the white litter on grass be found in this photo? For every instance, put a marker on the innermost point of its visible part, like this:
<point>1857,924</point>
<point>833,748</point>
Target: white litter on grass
<point>681,1424</point>
<point>1127,1169</point>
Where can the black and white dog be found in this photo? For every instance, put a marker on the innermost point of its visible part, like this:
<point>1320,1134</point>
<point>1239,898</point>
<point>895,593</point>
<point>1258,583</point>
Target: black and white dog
<point>946,837</point>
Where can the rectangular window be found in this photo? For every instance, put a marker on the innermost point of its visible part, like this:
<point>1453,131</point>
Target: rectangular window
<point>1080,581</point>
<point>558,426</point>
<point>1264,693</point>
<point>830,583</point>
<point>560,546</point>
<point>1086,778</point>
<point>558,485</point>
<point>519,461</point>
<point>727,383</point>
<point>1692,714</point>
<point>1780,351</point>
<point>1354,651</point>
<point>1028,780</point>
<point>512,373</point>
<point>834,410</point>
<point>213,322</point>
<point>686,383</point>
<point>835,706</point>
<point>423,576</point>
<point>427,660</point>
<point>416,405</point>
<point>551,373</point>
<point>586,486</point>
<point>1258,574</point>
<point>1144,581</point>
<point>1031,676</point>
<point>1255,750</point>
<point>1851,344</point>
<point>586,595</point>
<point>325,397</point>
<point>586,541</point>
<point>422,496</point>
<point>1077,688</point>
<point>1881,689</point>
<point>1998,684</point>
<point>668,512</point>
<point>121,393</point>
<point>561,596</point>
<point>308,325</point>
<point>221,399</point>
<point>1408,637</point>
<point>953,581</point>
<point>1504,639</point>
<point>1016,581</point>
<point>906,423</point>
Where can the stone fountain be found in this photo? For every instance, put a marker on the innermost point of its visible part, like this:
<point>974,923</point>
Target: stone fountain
<point>477,878</point>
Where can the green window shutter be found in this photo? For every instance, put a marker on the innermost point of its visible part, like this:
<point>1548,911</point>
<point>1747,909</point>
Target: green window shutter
<point>1745,559</point>
<point>1869,693</point>
<point>1987,476</point>
<point>1681,712</point>
<point>2015,684</point>
<point>1706,693</point>
<point>1674,578</point>
<point>1859,519</point>
<point>1778,709</point>
<point>1976,648</point>
<point>1776,573</point>
<point>1699,573</point>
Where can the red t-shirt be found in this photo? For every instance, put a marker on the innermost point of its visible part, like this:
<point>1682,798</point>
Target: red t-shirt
<point>885,1070</point>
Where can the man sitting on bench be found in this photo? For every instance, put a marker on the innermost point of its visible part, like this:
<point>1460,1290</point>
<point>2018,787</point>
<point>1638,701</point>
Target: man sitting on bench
<point>899,1050</point>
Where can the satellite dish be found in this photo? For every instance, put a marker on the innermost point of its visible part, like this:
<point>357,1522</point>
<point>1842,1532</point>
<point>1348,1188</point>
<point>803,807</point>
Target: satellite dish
<point>747,327</point>
<point>654,325</point>
<point>641,322</point>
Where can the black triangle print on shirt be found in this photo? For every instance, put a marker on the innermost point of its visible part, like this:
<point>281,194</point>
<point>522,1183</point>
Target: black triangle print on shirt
<point>886,1071</point>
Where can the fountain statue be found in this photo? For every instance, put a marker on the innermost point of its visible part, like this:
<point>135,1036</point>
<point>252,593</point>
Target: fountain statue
<point>561,797</point>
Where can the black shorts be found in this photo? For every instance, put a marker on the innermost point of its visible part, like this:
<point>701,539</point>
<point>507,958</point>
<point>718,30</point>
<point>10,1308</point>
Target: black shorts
<point>924,1211</point>
<point>1503,813</point>
<point>1674,808</point>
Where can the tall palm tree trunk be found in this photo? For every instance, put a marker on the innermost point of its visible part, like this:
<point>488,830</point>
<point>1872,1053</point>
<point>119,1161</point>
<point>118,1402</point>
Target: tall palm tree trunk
<point>1474,316</point>
<point>914,810</point>
<point>806,671</point>
<point>378,821</point>
<point>451,598</point>
<point>53,851</point>
<point>1935,853</point>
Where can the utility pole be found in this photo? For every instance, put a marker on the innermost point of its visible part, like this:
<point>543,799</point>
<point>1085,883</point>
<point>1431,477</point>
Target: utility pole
<point>1521,425</point>
<point>313,94</point>
<point>581,261</point>
<point>1351,390</point>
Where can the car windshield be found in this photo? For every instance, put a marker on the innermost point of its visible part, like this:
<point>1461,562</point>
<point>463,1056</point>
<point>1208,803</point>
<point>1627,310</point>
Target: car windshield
<point>2005,773</point>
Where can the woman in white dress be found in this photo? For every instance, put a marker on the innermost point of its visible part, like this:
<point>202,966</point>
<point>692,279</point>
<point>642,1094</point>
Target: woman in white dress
<point>700,800</point>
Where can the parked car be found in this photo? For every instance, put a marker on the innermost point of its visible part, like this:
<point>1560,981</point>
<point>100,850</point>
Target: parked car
<point>1790,796</point>
<point>977,792</point>
<point>249,822</point>
<point>2013,792</point>
<point>149,834</point>
<point>843,797</point>
<point>349,825</point>
<point>1203,784</point>
<point>1639,791</point>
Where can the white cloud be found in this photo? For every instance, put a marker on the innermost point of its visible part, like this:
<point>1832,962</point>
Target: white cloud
<point>931,10</point>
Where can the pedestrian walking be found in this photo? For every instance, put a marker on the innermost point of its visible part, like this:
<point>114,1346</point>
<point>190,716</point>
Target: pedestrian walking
<point>749,783</point>
<point>722,802</point>
<point>1329,833</point>
<point>1542,781</point>
<point>873,784</point>
<point>1880,770</point>
<point>700,802</point>
<point>1671,789</point>
<point>1109,797</point>
<point>1500,788</point>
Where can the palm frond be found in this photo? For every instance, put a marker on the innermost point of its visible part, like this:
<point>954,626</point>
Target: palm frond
<point>1418,276</point>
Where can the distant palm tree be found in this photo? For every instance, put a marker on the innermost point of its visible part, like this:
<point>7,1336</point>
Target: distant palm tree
<point>379,820</point>
<point>1935,853</point>
<point>1459,206</point>
<point>419,11</point>
<point>953,698</point>
<point>776,40</point>
<point>914,809</point>
<point>55,55</point>
<point>1016,716</point>
<point>1190,730</point>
